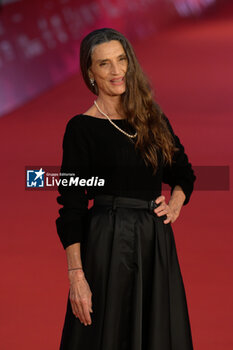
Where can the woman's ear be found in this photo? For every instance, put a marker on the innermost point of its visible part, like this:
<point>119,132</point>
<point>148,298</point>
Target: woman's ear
<point>90,75</point>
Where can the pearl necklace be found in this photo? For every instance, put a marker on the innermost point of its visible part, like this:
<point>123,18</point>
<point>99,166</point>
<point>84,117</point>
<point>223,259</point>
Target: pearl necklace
<point>116,126</point>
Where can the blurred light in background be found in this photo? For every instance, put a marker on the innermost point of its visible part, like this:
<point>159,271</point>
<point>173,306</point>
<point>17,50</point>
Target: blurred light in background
<point>191,7</point>
<point>39,40</point>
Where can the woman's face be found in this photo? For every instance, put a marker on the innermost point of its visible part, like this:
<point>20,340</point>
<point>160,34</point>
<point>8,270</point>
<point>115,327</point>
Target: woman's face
<point>108,69</point>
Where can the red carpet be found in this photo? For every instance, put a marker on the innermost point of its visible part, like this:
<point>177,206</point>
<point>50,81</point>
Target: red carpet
<point>190,67</point>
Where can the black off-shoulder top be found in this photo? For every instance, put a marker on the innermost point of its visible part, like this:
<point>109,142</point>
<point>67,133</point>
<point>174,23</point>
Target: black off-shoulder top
<point>94,150</point>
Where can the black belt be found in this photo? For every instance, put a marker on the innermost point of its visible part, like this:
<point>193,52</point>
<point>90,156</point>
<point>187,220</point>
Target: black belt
<point>125,202</point>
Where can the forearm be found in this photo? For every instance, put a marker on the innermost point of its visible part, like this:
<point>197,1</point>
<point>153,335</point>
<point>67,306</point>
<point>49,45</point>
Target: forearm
<point>177,199</point>
<point>73,255</point>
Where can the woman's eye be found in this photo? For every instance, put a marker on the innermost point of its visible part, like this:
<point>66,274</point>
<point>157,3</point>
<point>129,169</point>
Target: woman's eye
<point>102,64</point>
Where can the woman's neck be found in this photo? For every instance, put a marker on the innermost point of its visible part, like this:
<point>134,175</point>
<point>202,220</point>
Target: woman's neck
<point>111,105</point>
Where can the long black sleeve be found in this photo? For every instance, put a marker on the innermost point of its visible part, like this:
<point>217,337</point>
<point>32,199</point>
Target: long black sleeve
<point>70,223</point>
<point>180,172</point>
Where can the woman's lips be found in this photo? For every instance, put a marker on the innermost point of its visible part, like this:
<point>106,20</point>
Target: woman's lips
<point>117,81</point>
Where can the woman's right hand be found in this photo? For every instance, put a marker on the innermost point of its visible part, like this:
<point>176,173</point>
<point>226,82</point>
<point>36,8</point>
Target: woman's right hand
<point>80,296</point>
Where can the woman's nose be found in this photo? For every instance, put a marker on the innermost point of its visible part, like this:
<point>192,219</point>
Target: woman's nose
<point>115,68</point>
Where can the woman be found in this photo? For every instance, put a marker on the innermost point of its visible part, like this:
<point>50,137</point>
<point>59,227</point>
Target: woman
<point>126,289</point>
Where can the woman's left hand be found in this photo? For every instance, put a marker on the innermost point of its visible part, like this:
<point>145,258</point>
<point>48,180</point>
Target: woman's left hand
<point>166,209</point>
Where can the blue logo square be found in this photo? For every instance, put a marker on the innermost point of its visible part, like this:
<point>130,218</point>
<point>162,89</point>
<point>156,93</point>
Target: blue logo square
<point>35,178</point>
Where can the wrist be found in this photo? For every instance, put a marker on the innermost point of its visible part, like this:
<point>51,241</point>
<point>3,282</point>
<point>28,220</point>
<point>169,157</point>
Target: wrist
<point>75,275</point>
<point>177,198</point>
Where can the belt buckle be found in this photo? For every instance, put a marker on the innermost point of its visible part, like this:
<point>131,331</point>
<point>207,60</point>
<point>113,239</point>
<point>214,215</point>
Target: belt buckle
<point>152,205</point>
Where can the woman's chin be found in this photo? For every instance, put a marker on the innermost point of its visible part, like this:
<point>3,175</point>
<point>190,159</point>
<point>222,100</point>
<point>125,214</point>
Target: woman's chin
<point>118,91</point>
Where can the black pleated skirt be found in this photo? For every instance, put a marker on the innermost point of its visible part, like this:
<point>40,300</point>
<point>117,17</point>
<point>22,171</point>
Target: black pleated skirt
<point>130,261</point>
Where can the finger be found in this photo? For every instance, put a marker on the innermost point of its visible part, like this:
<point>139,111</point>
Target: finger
<point>90,304</point>
<point>75,309</point>
<point>160,207</point>
<point>86,311</point>
<point>163,208</point>
<point>71,302</point>
<point>166,221</point>
<point>163,212</point>
<point>160,199</point>
<point>74,305</point>
<point>80,309</point>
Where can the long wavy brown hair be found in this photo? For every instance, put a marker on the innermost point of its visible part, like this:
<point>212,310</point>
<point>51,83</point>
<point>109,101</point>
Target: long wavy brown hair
<point>139,106</point>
